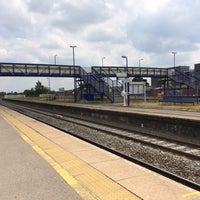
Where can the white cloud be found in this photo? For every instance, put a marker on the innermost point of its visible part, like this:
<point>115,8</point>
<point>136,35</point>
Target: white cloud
<point>34,31</point>
<point>172,27</point>
<point>14,19</point>
<point>74,16</point>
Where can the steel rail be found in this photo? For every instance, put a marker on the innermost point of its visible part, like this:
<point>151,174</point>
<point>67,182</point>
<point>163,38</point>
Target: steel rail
<point>163,147</point>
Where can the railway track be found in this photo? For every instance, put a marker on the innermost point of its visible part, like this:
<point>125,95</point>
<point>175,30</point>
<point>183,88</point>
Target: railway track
<point>192,151</point>
<point>188,150</point>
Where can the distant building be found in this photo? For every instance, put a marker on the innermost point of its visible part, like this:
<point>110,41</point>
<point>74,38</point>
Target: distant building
<point>197,70</point>
<point>183,68</point>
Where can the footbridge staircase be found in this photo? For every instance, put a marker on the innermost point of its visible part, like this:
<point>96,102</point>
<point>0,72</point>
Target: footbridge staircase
<point>181,78</point>
<point>97,82</point>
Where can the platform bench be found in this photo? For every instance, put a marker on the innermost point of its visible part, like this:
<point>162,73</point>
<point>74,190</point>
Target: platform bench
<point>180,99</point>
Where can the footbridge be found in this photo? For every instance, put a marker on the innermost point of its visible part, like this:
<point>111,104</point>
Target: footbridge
<point>49,70</point>
<point>41,70</point>
<point>99,79</point>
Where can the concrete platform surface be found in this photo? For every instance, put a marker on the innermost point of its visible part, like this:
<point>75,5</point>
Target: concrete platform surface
<point>24,175</point>
<point>91,172</point>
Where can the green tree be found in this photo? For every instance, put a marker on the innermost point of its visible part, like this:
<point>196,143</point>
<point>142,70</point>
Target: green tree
<point>34,92</point>
<point>40,89</point>
<point>2,94</point>
<point>29,93</point>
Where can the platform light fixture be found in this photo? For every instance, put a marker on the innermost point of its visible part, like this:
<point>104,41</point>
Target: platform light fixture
<point>73,54</point>
<point>125,84</point>
<point>55,58</point>
<point>126,60</point>
<point>102,61</point>
<point>174,53</point>
<point>140,61</point>
<point>73,47</point>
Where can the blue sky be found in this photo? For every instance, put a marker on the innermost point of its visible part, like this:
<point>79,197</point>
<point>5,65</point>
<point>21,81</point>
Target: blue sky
<point>34,31</point>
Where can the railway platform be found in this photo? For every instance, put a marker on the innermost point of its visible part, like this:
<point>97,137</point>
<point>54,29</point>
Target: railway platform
<point>41,162</point>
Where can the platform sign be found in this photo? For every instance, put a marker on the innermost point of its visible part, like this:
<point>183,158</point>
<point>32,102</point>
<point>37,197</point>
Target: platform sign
<point>137,87</point>
<point>124,93</point>
<point>121,76</point>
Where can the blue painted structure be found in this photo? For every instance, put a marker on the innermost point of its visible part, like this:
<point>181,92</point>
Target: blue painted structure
<point>41,70</point>
<point>100,77</point>
<point>112,71</point>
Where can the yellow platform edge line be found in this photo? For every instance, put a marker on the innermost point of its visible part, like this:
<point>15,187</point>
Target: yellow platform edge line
<point>191,194</point>
<point>58,168</point>
<point>72,181</point>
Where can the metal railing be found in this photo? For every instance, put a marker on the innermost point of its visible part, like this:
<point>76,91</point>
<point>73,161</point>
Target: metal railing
<point>97,83</point>
<point>112,71</point>
<point>181,77</point>
<point>43,70</point>
<point>115,85</point>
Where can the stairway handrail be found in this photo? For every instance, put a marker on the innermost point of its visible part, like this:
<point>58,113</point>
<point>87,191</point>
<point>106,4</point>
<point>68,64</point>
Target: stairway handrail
<point>102,84</point>
<point>189,80</point>
<point>109,80</point>
<point>97,83</point>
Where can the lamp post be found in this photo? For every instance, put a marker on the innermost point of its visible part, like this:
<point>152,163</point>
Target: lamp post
<point>126,60</point>
<point>125,84</point>
<point>73,54</point>
<point>102,61</point>
<point>140,61</point>
<point>73,47</point>
<point>55,58</point>
<point>173,52</point>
